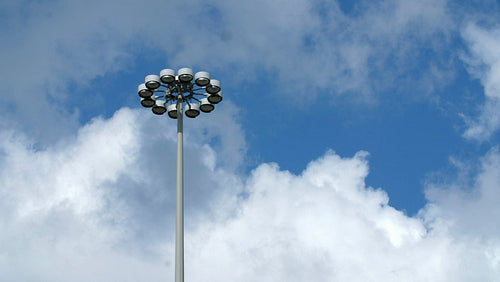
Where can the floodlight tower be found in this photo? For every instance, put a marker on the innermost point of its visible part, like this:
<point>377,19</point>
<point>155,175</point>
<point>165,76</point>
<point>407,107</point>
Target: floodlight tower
<point>178,92</point>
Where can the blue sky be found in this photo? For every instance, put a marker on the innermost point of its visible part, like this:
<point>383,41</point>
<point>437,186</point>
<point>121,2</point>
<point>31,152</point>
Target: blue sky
<point>357,141</point>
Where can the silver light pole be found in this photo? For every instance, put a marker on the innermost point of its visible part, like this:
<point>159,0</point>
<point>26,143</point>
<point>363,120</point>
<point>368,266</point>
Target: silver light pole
<point>177,90</point>
<point>179,214</point>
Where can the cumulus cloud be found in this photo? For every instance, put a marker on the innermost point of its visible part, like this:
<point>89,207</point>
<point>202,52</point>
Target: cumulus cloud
<point>107,194</point>
<point>100,207</point>
<point>52,201</point>
<point>327,225</point>
<point>484,63</point>
<point>322,225</point>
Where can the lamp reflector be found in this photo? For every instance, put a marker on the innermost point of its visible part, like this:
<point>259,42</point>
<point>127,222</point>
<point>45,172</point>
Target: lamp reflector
<point>152,81</point>
<point>143,91</point>
<point>172,110</point>
<point>192,110</point>
<point>185,74</point>
<point>159,108</point>
<point>167,75</point>
<point>213,87</point>
<point>215,98</point>
<point>206,106</point>
<point>202,78</point>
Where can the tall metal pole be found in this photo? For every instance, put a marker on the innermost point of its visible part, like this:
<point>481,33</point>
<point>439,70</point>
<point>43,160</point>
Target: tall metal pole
<point>179,231</point>
<point>168,83</point>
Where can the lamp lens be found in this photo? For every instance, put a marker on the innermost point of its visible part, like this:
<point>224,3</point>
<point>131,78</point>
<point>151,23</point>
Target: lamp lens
<point>152,84</point>
<point>145,93</point>
<point>202,81</point>
<point>185,77</point>
<point>159,110</point>
<point>147,102</point>
<point>167,79</point>
<point>207,108</point>
<point>192,113</point>
<point>214,99</point>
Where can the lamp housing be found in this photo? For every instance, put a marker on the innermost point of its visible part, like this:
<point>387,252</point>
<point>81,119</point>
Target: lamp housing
<point>202,78</point>
<point>172,111</point>
<point>185,75</point>
<point>148,102</point>
<point>206,106</point>
<point>192,110</point>
<point>215,98</point>
<point>143,91</point>
<point>213,87</point>
<point>167,75</point>
<point>152,81</point>
<point>159,108</point>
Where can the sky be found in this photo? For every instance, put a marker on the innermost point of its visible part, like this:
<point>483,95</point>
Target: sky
<point>357,141</point>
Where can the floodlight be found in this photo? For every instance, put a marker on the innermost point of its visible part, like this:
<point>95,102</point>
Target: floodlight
<point>152,81</point>
<point>159,108</point>
<point>202,78</point>
<point>192,110</point>
<point>185,74</point>
<point>148,102</point>
<point>167,75</point>
<point>215,98</point>
<point>172,110</point>
<point>206,106</point>
<point>213,87</point>
<point>143,91</point>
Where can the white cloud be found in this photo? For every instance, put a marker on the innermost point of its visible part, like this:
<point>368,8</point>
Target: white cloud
<point>55,47</point>
<point>67,174</point>
<point>223,131</point>
<point>326,225</point>
<point>467,216</point>
<point>313,45</point>
<point>100,207</point>
<point>484,63</point>
<point>323,225</point>
<point>54,221</point>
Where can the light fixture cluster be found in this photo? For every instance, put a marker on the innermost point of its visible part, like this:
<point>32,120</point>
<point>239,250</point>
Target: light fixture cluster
<point>179,88</point>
